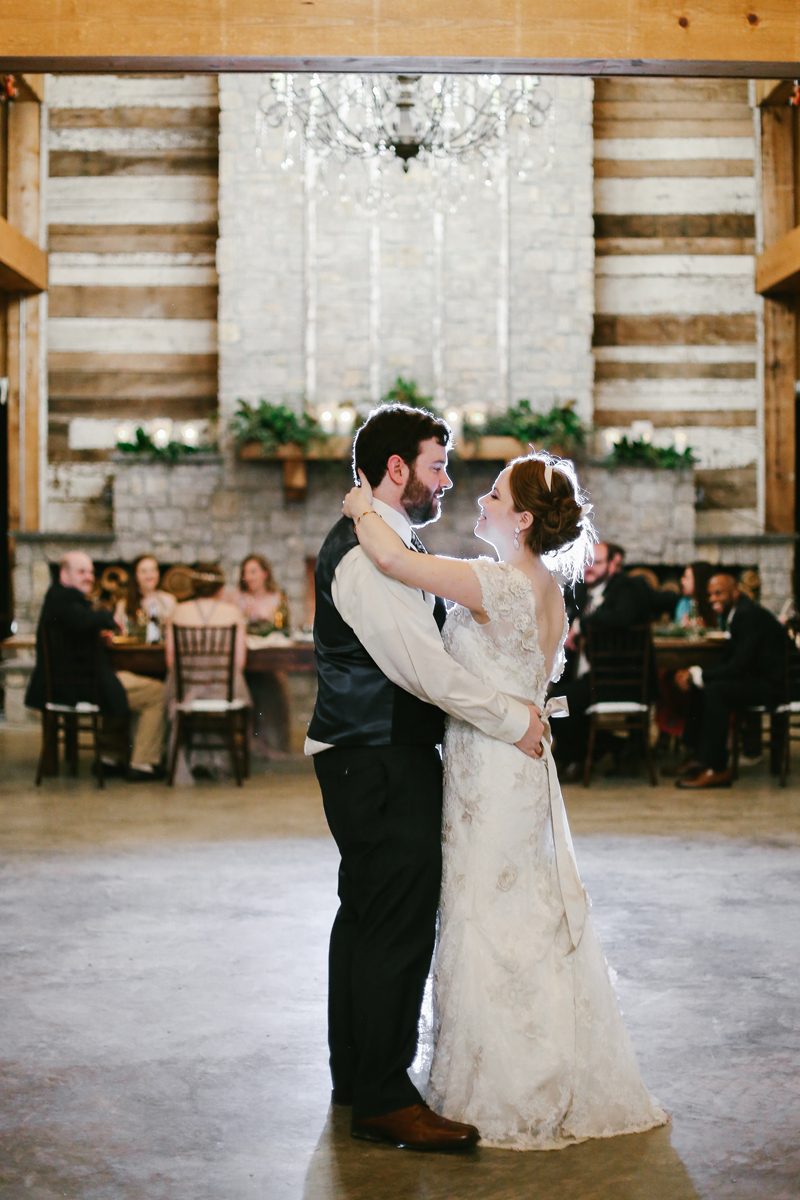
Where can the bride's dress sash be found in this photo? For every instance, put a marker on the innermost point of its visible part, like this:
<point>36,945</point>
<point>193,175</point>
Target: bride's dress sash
<point>572,892</point>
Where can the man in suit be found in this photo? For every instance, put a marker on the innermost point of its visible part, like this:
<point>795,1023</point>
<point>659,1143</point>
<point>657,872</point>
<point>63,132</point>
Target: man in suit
<point>751,672</point>
<point>607,599</point>
<point>385,682</point>
<point>67,604</point>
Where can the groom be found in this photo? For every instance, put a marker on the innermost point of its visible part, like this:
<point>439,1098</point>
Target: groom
<point>384,684</point>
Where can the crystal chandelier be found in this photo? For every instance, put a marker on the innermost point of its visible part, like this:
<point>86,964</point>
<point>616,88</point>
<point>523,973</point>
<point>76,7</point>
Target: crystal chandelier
<point>440,120</point>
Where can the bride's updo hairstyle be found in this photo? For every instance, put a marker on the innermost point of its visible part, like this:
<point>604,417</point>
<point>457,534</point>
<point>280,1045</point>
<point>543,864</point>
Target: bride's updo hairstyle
<point>562,529</point>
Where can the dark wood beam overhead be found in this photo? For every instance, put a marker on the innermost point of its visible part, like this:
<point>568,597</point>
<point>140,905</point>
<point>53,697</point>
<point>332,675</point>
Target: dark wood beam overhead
<point>392,64</point>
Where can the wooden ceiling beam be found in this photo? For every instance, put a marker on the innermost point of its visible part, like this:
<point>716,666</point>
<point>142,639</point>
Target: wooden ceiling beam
<point>629,36</point>
<point>23,266</point>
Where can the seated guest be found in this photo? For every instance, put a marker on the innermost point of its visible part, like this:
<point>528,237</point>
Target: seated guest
<point>751,672</point>
<point>608,599</point>
<point>694,607</point>
<point>262,602</point>
<point>264,607</point>
<point>146,606</point>
<point>67,602</point>
<point>208,607</point>
<point>693,611</point>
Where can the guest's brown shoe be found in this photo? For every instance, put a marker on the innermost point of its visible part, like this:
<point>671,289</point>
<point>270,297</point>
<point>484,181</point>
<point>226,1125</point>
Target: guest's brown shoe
<point>416,1128</point>
<point>707,779</point>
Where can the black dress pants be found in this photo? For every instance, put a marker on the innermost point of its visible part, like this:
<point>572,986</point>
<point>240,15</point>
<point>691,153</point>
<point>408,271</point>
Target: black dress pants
<point>571,734</point>
<point>384,808</point>
<point>710,708</point>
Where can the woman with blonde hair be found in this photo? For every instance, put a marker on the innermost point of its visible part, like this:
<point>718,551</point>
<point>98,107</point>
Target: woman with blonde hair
<point>530,1046</point>
<point>264,607</point>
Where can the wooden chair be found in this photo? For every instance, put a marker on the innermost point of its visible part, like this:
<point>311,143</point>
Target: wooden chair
<point>782,717</point>
<point>204,679</point>
<point>619,678</point>
<point>71,669</point>
<point>781,726</point>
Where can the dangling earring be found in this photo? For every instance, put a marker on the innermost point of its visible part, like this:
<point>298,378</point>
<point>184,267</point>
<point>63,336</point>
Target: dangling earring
<point>516,538</point>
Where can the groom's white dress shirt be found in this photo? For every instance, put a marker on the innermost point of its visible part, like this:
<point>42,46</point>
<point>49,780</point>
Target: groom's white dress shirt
<point>395,625</point>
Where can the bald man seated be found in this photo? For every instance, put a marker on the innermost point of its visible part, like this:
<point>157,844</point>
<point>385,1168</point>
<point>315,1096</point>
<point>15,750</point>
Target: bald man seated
<point>67,603</point>
<point>750,672</point>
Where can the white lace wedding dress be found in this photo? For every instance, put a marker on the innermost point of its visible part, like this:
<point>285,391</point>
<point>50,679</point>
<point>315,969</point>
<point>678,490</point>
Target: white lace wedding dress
<point>529,1041</point>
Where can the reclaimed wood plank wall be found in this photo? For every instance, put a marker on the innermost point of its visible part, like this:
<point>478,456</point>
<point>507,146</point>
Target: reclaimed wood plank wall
<point>675,336</point>
<point>132,211</point>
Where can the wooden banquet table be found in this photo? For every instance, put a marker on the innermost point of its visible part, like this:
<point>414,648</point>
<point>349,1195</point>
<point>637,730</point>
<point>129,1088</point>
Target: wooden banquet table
<point>677,653</point>
<point>296,658</point>
<point>671,653</point>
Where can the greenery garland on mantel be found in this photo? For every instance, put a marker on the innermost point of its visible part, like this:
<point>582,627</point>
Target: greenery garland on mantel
<point>274,431</point>
<point>144,449</point>
<point>641,453</point>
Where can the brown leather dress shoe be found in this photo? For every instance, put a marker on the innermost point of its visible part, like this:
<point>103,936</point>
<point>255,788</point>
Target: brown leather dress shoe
<point>416,1128</point>
<point>707,779</point>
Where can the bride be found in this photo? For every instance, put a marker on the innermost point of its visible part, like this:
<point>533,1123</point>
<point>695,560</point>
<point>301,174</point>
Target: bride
<point>530,1044</point>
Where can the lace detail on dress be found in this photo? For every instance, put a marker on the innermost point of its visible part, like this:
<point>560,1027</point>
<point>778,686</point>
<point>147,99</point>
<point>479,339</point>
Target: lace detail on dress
<point>530,1044</point>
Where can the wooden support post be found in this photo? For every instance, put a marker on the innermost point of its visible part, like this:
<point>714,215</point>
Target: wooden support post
<point>780,339</point>
<point>23,321</point>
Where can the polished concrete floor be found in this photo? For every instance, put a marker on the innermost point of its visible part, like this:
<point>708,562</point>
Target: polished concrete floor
<point>162,1000</point>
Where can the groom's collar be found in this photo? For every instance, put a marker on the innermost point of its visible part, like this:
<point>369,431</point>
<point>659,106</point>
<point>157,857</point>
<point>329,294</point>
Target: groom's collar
<point>393,519</point>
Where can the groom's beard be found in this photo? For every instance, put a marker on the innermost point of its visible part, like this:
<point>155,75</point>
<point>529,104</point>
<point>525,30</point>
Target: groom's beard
<point>421,504</point>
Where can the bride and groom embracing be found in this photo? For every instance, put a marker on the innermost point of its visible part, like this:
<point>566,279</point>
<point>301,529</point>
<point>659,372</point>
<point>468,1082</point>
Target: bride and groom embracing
<point>530,1051</point>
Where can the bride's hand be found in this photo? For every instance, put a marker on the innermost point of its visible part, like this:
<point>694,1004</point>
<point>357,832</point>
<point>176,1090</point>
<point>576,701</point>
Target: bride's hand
<point>358,499</point>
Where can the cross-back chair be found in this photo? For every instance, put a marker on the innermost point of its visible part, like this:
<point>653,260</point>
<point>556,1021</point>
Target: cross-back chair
<point>790,707</point>
<point>781,726</point>
<point>206,709</point>
<point>72,699</point>
<point>619,679</point>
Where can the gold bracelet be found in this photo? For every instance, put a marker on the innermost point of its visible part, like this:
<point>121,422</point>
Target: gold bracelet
<point>366,513</point>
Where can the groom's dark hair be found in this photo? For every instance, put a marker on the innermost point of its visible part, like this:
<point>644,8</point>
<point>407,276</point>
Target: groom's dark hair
<point>395,429</point>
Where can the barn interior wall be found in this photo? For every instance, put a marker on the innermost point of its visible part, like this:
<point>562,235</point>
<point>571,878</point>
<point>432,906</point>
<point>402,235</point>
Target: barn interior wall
<point>132,230</point>
<point>666,283</point>
<point>677,319</point>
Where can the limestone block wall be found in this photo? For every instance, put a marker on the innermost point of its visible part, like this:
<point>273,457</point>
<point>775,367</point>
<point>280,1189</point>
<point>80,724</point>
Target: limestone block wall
<point>213,510</point>
<point>222,511</point>
<point>650,513</point>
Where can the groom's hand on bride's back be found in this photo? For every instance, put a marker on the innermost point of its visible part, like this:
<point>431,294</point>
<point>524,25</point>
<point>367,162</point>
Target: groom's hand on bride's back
<point>531,743</point>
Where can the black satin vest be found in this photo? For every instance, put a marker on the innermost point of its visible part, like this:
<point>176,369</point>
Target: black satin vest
<point>356,704</point>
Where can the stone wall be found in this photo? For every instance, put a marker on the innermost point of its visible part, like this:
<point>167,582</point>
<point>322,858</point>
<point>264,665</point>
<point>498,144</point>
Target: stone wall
<point>222,510</point>
<point>650,513</point>
<point>323,301</point>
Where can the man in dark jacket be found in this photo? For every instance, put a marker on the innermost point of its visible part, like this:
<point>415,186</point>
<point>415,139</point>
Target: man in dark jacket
<point>67,604</point>
<point>751,672</point>
<point>608,599</point>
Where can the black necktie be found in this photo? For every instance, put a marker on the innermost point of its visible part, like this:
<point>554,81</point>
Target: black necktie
<point>417,544</point>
